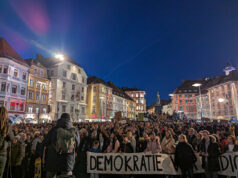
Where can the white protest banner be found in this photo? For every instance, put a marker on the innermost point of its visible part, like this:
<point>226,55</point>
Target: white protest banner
<point>134,163</point>
<point>228,164</point>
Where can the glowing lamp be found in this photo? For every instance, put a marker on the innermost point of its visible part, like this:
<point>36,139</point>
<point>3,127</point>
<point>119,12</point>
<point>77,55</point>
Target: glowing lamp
<point>196,84</point>
<point>59,56</point>
<point>221,100</point>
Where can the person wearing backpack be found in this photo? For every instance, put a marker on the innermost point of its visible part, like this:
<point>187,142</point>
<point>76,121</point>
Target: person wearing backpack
<point>6,135</point>
<point>59,145</point>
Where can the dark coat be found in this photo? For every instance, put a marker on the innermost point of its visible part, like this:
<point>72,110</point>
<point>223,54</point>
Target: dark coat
<point>126,148</point>
<point>214,152</point>
<point>192,140</point>
<point>184,155</point>
<point>59,162</point>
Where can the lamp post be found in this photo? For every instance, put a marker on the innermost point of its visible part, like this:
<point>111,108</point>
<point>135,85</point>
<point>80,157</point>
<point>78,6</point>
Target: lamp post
<point>225,101</point>
<point>200,96</point>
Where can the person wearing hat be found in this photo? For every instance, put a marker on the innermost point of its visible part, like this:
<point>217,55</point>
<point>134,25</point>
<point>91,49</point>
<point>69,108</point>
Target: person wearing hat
<point>54,161</point>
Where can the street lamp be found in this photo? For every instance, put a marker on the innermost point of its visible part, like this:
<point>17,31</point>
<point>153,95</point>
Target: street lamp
<point>59,56</point>
<point>200,96</point>
<point>222,100</point>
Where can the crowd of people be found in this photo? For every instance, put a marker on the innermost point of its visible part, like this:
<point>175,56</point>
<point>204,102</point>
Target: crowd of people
<point>62,146</point>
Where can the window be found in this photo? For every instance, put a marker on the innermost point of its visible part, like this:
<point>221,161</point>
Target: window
<point>142,101</point>
<point>12,106</point>
<point>71,109</point>
<point>187,108</point>
<point>73,87</point>
<point>64,85</point>
<point>37,85</point>
<point>44,110</point>
<point>41,73</point>
<point>37,96</point>
<point>94,98</point>
<point>181,108</point>
<point>30,95</point>
<point>191,101</point>
<point>63,96</point>
<point>94,109</point>
<point>44,86</point>
<point>132,95</point>
<point>68,67</point>
<point>83,110</point>
<point>83,80</point>
<point>82,89</point>
<point>31,82</point>
<point>94,89</point>
<point>5,70</point>
<point>21,107</point>
<point>0,68</point>
<point>52,73</point>
<point>72,97</point>
<point>136,94</point>
<point>24,76</point>
<point>64,73</point>
<point>44,97</point>
<point>14,89</point>
<point>180,101</point>
<point>15,74</point>
<point>30,109</point>
<point>82,97</point>
<point>35,71</point>
<point>186,101</point>
<point>141,95</point>
<point>3,87</point>
<point>37,110</point>
<point>73,76</point>
<point>79,71</point>
<point>23,91</point>
<point>63,108</point>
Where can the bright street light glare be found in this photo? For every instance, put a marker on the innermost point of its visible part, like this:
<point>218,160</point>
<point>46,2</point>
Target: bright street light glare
<point>220,100</point>
<point>196,84</point>
<point>59,56</point>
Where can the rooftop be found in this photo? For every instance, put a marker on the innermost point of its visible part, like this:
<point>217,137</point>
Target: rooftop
<point>6,50</point>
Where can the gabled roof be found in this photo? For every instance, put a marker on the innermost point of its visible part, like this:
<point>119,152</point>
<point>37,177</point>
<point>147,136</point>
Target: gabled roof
<point>6,50</point>
<point>130,89</point>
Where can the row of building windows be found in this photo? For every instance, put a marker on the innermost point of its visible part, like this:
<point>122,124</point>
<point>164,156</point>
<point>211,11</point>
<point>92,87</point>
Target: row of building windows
<point>30,110</point>
<point>14,90</point>
<point>39,85</point>
<point>37,96</point>
<point>7,70</point>
<point>72,110</point>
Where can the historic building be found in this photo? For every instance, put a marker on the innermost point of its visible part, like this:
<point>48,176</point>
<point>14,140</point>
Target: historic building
<point>219,96</point>
<point>183,99</point>
<point>99,99</point>
<point>119,101</point>
<point>13,81</point>
<point>138,96</point>
<point>68,87</point>
<point>38,92</point>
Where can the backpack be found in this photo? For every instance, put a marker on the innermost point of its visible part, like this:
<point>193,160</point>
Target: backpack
<point>65,142</point>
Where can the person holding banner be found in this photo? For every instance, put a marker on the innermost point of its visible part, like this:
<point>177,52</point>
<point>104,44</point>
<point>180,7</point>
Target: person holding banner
<point>168,143</point>
<point>185,157</point>
<point>232,145</point>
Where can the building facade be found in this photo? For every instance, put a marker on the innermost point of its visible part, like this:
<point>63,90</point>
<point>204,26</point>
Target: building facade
<point>38,93</point>
<point>138,96</point>
<point>99,99</point>
<point>219,98</point>
<point>13,81</point>
<point>68,88</point>
<point>184,101</point>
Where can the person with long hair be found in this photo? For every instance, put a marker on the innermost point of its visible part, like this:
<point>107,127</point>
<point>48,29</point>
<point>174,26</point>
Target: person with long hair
<point>185,157</point>
<point>232,145</point>
<point>6,135</point>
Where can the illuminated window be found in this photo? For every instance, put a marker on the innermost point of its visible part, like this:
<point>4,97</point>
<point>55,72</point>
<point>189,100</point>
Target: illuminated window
<point>44,110</point>
<point>30,109</point>
<point>37,110</point>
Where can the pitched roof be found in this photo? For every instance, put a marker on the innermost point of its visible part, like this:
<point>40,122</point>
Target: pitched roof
<point>6,50</point>
<point>118,91</point>
<point>96,80</point>
<point>34,62</point>
<point>130,89</point>
<point>186,86</point>
<point>52,61</point>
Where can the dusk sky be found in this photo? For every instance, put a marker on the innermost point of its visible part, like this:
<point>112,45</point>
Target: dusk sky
<point>150,44</point>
